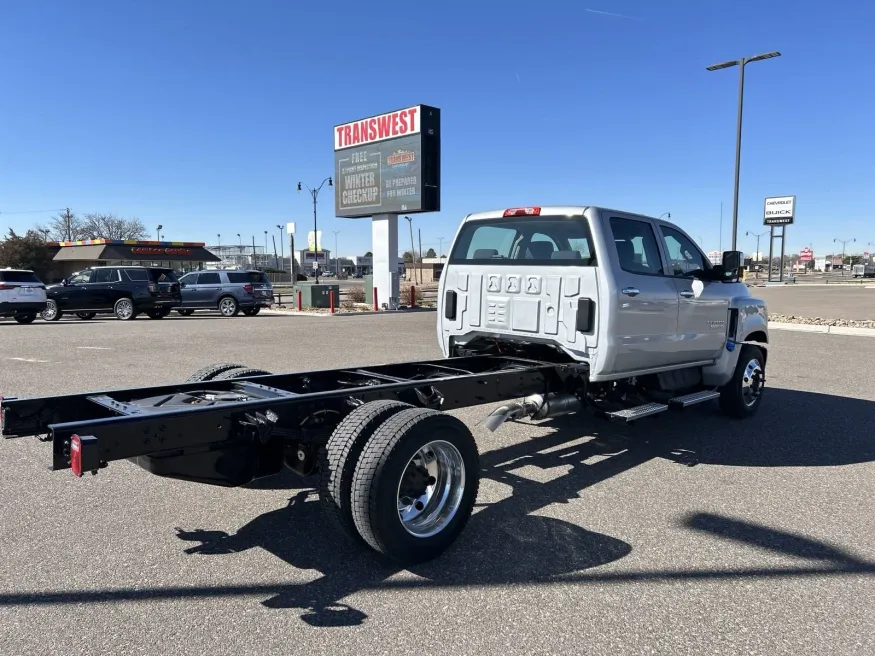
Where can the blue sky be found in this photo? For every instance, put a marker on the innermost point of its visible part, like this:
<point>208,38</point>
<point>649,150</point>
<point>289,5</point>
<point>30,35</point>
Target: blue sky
<point>203,115</point>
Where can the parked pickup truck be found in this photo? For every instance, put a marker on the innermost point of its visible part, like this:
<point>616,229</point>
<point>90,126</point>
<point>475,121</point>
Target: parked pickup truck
<point>543,311</point>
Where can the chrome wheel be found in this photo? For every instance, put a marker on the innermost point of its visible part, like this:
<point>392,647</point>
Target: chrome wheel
<point>228,307</point>
<point>752,383</point>
<point>124,309</point>
<point>431,489</point>
<point>50,312</point>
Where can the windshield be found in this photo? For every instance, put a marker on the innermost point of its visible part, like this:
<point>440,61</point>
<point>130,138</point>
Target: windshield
<point>544,240</point>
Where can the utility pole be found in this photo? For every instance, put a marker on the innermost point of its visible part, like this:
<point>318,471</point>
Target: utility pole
<point>336,256</point>
<point>315,193</point>
<point>68,219</point>
<point>721,228</point>
<point>419,233</point>
<point>844,242</point>
<point>413,250</point>
<point>282,255</point>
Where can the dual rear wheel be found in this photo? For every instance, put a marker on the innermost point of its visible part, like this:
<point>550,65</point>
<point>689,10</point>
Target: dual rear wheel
<point>402,479</point>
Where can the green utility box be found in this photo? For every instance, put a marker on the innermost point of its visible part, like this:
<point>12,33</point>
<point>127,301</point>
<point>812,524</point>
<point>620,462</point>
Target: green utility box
<point>318,296</point>
<point>369,290</point>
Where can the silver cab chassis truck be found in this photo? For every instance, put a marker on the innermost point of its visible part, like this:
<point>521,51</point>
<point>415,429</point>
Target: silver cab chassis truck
<point>545,310</point>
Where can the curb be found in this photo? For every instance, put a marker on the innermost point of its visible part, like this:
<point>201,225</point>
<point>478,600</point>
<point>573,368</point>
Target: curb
<point>304,313</point>
<point>824,330</point>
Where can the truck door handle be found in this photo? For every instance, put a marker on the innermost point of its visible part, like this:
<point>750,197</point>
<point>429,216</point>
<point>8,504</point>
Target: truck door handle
<point>687,293</point>
<point>630,291</point>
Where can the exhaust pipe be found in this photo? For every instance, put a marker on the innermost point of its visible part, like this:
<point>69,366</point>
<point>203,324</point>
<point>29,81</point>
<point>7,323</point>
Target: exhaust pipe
<point>535,406</point>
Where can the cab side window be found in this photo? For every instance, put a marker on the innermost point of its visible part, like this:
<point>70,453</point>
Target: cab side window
<point>80,278</point>
<point>105,275</point>
<point>636,246</point>
<point>683,256</point>
<point>209,279</point>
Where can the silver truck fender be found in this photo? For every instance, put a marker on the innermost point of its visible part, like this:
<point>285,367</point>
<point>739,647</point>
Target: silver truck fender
<point>751,326</point>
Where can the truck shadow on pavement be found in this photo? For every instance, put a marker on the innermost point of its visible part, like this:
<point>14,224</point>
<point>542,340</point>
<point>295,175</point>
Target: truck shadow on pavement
<point>507,544</point>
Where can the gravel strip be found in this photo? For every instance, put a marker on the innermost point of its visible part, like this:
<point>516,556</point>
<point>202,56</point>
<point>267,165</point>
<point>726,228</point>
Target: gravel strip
<point>821,321</point>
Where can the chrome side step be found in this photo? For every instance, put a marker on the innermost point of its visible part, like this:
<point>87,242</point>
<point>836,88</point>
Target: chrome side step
<point>650,409</point>
<point>679,402</point>
<point>638,412</point>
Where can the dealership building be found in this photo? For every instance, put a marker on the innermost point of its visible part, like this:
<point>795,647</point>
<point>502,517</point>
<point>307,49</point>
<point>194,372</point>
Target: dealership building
<point>71,256</point>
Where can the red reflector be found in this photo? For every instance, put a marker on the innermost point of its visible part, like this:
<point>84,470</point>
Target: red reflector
<point>76,455</point>
<point>247,289</point>
<point>523,211</point>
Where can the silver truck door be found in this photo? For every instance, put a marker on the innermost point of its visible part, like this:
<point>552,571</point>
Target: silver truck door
<point>645,323</point>
<point>704,306</point>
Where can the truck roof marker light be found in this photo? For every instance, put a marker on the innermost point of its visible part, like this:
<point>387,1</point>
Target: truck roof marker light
<point>523,211</point>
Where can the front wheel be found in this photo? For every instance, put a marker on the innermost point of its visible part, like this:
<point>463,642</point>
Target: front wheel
<point>228,306</point>
<point>415,484</point>
<point>25,318</point>
<point>741,397</point>
<point>52,311</point>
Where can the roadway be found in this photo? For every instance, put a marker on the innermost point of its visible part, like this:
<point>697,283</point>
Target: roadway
<point>681,536</point>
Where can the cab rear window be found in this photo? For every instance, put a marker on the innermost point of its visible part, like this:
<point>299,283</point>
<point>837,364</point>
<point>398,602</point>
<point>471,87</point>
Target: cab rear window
<point>19,276</point>
<point>528,241</point>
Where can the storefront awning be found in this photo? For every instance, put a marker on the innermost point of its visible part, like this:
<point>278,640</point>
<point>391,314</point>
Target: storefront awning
<point>134,253</point>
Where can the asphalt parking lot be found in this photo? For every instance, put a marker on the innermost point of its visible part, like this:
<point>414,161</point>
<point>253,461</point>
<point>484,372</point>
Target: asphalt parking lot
<point>826,301</point>
<point>685,536</point>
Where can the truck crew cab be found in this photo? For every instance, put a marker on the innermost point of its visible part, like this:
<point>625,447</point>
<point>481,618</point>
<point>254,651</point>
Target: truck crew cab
<point>547,311</point>
<point>631,298</point>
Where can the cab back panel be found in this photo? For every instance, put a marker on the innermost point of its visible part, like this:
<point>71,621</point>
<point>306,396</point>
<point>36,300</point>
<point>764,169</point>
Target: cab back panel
<point>538,303</point>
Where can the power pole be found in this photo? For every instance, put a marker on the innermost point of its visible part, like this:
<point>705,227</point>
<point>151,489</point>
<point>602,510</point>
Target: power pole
<point>419,232</point>
<point>68,219</point>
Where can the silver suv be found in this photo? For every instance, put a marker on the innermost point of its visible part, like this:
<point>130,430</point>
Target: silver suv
<point>230,291</point>
<point>22,295</point>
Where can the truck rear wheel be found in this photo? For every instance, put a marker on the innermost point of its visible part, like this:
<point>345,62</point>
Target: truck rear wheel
<point>211,371</point>
<point>415,485</point>
<point>241,373</point>
<point>340,456</point>
<point>741,396</point>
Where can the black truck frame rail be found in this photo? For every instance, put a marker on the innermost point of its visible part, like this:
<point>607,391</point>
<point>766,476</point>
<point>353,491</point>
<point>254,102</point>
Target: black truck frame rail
<point>239,429</point>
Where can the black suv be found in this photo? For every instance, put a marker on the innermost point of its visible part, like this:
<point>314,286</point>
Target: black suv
<point>126,291</point>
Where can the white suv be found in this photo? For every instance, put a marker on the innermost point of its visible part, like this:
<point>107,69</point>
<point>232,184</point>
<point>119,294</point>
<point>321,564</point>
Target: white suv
<point>22,295</point>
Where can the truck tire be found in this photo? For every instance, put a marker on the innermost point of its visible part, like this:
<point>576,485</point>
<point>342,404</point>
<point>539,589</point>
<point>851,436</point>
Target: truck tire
<point>341,454</point>
<point>25,318</point>
<point>415,485</point>
<point>86,316</point>
<point>241,373</point>
<point>741,396</point>
<point>211,371</point>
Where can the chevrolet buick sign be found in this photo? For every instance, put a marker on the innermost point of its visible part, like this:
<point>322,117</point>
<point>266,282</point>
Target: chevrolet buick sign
<point>779,211</point>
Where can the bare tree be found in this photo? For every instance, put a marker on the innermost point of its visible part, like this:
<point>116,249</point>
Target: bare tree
<point>109,226</point>
<point>66,226</point>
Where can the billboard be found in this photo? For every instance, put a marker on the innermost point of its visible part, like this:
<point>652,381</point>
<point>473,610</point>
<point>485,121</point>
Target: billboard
<point>388,164</point>
<point>780,210</point>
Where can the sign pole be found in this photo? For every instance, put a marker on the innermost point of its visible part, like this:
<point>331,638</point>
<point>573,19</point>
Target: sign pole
<point>783,241</point>
<point>771,250</point>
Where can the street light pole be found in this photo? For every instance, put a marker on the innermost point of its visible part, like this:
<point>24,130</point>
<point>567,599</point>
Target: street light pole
<point>314,193</point>
<point>843,242</point>
<point>158,231</point>
<point>759,257</point>
<point>282,255</point>
<point>741,63</point>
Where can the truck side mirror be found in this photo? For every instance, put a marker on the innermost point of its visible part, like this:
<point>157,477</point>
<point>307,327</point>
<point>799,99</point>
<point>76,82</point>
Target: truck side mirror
<point>732,262</point>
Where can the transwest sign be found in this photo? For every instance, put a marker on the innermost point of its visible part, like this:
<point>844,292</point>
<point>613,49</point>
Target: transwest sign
<point>780,210</point>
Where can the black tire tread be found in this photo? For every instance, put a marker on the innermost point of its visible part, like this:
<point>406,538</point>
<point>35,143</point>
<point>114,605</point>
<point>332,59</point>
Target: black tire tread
<point>730,402</point>
<point>211,371</point>
<point>25,318</point>
<point>241,373</point>
<point>340,457</point>
<point>374,456</point>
